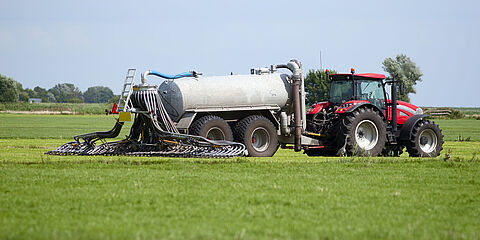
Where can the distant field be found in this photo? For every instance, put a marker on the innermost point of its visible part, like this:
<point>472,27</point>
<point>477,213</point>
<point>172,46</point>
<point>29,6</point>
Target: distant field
<point>55,126</point>
<point>67,126</point>
<point>66,108</point>
<point>460,129</point>
<point>288,196</point>
<point>470,111</point>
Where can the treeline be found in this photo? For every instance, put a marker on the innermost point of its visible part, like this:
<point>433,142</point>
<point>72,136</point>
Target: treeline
<point>13,91</point>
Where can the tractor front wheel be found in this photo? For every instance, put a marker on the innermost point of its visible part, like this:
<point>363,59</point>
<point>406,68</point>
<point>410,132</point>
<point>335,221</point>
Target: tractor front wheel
<point>426,140</point>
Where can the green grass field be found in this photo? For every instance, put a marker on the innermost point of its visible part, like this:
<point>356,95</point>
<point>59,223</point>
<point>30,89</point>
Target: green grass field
<point>67,108</point>
<point>289,196</point>
<point>55,126</point>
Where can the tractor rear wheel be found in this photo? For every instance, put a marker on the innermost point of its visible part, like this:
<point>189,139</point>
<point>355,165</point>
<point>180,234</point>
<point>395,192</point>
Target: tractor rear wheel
<point>426,140</point>
<point>361,133</point>
<point>212,127</point>
<point>258,134</point>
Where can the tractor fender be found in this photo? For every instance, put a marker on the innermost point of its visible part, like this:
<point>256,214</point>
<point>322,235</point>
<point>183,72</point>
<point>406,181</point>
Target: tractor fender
<point>408,126</point>
<point>366,104</point>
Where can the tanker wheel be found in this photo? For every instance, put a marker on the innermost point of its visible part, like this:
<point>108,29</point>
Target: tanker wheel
<point>212,127</point>
<point>258,134</point>
<point>426,140</point>
<point>361,133</point>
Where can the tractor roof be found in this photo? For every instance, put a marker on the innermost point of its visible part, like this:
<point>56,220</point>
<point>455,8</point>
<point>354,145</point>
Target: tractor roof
<point>347,76</point>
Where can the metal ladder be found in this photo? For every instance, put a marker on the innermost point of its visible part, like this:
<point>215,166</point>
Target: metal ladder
<point>124,101</point>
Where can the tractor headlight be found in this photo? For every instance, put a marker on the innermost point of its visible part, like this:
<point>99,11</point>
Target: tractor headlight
<point>419,111</point>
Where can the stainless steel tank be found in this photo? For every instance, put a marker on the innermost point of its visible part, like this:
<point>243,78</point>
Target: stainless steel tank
<point>225,93</point>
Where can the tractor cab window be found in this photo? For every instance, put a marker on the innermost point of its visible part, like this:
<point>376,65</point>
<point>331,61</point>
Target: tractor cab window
<point>341,91</point>
<point>372,91</point>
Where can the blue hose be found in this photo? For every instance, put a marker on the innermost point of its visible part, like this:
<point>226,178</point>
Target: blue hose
<point>180,75</point>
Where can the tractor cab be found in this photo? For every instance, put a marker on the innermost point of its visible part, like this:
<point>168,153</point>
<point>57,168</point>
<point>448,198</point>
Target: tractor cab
<point>364,87</point>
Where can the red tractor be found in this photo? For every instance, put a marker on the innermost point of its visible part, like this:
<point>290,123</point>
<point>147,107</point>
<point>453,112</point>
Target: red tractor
<point>359,119</point>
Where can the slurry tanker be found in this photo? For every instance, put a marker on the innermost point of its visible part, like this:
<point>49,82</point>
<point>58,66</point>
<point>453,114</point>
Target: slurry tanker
<point>190,115</point>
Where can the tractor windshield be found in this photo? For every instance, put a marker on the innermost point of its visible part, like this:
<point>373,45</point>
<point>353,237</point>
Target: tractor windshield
<point>367,89</point>
<point>341,91</point>
<point>372,91</point>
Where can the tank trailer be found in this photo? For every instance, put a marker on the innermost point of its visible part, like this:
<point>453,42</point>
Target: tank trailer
<point>223,116</point>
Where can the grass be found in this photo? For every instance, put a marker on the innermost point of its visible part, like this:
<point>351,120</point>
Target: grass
<point>55,126</point>
<point>68,108</point>
<point>289,196</point>
<point>460,128</point>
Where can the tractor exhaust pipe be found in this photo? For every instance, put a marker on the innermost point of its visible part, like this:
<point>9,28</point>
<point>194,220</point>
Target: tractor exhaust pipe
<point>394,105</point>
<point>296,68</point>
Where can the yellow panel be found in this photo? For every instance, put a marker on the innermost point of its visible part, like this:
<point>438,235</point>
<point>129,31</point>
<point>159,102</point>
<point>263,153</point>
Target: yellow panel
<point>125,117</point>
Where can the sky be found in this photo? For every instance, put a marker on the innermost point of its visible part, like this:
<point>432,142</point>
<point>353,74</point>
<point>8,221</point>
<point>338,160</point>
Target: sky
<point>91,43</point>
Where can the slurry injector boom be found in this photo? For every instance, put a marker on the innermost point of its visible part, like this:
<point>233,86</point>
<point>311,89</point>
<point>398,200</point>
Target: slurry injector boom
<point>153,133</point>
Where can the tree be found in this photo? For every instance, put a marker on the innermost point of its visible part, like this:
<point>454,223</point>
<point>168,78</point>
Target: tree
<point>30,93</point>
<point>23,96</point>
<point>114,99</point>
<point>98,94</point>
<point>63,92</point>
<point>405,71</point>
<point>8,89</point>
<point>317,86</point>
<point>43,94</point>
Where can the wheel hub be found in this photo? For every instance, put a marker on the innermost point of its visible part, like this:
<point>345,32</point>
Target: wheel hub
<point>423,140</point>
<point>366,135</point>
<point>428,141</point>
<point>360,133</point>
<point>215,133</point>
<point>260,139</point>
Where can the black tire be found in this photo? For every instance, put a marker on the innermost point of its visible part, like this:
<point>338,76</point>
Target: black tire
<point>355,128</point>
<point>426,140</point>
<point>258,134</point>
<point>212,127</point>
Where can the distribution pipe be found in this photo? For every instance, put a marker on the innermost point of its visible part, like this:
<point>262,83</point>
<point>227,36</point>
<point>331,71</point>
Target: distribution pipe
<point>297,76</point>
